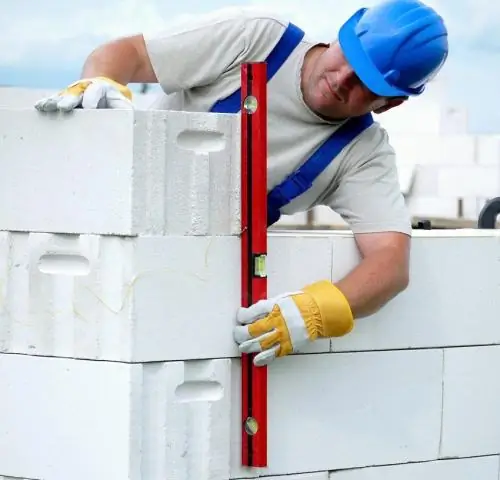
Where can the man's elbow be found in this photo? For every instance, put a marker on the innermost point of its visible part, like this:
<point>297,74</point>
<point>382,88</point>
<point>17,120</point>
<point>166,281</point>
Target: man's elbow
<point>403,281</point>
<point>125,60</point>
<point>401,278</point>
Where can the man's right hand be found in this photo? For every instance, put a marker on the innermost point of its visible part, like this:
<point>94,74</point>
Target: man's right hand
<point>89,93</point>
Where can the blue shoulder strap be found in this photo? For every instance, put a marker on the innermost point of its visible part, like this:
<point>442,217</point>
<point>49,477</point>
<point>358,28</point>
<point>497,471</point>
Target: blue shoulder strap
<point>302,179</point>
<point>281,51</point>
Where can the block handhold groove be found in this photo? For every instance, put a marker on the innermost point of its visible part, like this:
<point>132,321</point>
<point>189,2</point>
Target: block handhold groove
<point>199,391</point>
<point>64,264</point>
<point>200,141</point>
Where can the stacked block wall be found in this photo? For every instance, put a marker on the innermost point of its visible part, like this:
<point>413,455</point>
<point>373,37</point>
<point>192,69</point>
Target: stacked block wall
<point>117,354</point>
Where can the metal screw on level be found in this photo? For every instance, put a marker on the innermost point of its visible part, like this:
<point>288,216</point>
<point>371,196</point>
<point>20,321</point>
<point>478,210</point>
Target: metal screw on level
<point>251,426</point>
<point>250,104</point>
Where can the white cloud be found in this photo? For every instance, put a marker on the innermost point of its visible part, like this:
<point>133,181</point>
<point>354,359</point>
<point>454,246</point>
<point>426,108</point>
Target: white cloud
<point>54,21</point>
<point>63,29</point>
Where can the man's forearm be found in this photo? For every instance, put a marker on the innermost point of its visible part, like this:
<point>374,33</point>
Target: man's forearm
<point>376,280</point>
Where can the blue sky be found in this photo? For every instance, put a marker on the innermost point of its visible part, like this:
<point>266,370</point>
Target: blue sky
<point>43,44</point>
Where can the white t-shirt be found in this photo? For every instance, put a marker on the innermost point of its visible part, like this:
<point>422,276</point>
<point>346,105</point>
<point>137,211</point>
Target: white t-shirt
<point>198,62</point>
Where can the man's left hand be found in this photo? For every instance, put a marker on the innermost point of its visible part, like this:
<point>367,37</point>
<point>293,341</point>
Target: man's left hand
<point>284,324</point>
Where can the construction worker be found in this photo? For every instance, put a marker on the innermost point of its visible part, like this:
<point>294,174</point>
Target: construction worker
<point>321,97</point>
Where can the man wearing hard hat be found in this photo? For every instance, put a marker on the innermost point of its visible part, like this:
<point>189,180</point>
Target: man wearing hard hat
<point>323,146</point>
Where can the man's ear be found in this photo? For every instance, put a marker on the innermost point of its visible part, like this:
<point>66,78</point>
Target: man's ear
<point>391,103</point>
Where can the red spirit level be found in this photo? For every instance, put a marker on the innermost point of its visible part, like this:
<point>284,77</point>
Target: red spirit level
<point>254,251</point>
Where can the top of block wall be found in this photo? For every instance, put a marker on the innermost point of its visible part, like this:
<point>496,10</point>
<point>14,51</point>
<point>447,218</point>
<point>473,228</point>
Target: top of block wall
<point>120,172</point>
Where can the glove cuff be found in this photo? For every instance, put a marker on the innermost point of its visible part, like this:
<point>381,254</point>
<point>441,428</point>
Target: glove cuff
<point>336,315</point>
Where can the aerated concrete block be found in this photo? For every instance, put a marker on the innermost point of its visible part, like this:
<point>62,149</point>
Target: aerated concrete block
<point>452,299</point>
<point>336,411</point>
<point>128,299</point>
<point>84,420</point>
<point>488,149</point>
<point>300,476</point>
<point>463,469</point>
<point>120,172</point>
<point>471,417</point>
<point>434,149</point>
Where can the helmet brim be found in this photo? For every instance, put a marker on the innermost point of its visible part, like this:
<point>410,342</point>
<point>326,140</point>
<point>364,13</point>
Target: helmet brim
<point>361,63</point>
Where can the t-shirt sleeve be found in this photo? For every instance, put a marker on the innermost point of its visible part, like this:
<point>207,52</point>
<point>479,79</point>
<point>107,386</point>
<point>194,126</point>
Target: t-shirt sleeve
<point>193,52</point>
<point>368,196</point>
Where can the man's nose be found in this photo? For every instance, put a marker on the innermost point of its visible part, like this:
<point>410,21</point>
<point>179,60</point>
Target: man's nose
<point>346,77</point>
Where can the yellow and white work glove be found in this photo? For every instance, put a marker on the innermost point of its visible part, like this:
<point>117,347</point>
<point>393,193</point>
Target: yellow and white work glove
<point>91,93</point>
<point>281,325</point>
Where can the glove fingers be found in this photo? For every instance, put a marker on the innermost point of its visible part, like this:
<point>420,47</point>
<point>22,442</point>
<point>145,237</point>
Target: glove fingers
<point>94,96</point>
<point>244,333</point>
<point>47,104</point>
<point>68,102</point>
<point>266,357</point>
<point>259,344</point>
<point>241,334</point>
<point>71,97</point>
<point>260,309</point>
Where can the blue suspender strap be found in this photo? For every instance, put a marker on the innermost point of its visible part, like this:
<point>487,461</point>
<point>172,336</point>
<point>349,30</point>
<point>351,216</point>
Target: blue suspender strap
<point>302,179</point>
<point>285,46</point>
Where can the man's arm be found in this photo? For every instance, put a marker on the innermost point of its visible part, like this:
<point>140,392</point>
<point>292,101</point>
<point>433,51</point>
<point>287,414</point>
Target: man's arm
<point>382,273</point>
<point>124,60</point>
<point>278,326</point>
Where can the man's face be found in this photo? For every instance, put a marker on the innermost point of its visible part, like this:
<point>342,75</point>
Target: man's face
<point>333,90</point>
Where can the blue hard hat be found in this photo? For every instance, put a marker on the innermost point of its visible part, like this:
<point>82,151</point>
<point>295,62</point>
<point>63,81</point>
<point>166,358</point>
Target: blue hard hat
<point>395,47</point>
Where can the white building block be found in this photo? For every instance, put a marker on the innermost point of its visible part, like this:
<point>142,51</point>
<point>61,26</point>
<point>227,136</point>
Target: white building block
<point>337,411</point>
<point>485,468</point>
<point>296,220</point>
<point>422,117</point>
<point>424,182</point>
<point>119,298</point>
<point>471,417</point>
<point>454,120</point>
<point>488,150</point>
<point>324,215</point>
<point>434,149</point>
<point>186,420</point>
<point>433,207</point>
<point>66,419</point>
<point>85,420</point>
<point>456,181</point>
<point>455,150</point>
<point>19,97</point>
<point>300,476</point>
<point>471,207</point>
<point>130,173</point>
<point>451,300</point>
<point>469,181</point>
<point>14,478</point>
